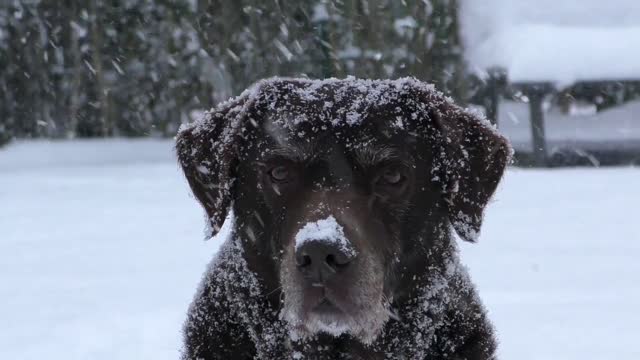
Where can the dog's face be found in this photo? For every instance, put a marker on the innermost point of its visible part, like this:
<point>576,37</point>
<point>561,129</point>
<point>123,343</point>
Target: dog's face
<point>339,211</point>
<point>340,202</point>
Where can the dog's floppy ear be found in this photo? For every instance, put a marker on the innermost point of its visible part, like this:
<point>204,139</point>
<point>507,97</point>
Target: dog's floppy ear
<point>208,153</point>
<point>472,158</point>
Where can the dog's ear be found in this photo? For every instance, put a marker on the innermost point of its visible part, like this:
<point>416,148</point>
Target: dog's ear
<point>472,157</point>
<point>208,154</point>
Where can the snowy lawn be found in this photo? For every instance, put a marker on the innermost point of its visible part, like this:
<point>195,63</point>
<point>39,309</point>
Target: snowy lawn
<point>616,128</point>
<point>101,252</point>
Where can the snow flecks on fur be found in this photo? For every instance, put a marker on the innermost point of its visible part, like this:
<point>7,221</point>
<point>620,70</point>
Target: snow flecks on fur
<point>461,224</point>
<point>442,298</point>
<point>240,297</point>
<point>325,230</point>
<point>462,145</point>
<point>351,99</point>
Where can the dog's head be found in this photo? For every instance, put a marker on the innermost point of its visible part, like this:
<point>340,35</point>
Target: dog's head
<point>341,187</point>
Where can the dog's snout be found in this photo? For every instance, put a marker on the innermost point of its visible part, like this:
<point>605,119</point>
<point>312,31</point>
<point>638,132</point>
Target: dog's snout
<point>320,260</point>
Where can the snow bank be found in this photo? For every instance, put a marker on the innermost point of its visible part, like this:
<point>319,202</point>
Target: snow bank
<point>563,55</point>
<point>100,250</point>
<point>557,41</point>
<point>40,154</point>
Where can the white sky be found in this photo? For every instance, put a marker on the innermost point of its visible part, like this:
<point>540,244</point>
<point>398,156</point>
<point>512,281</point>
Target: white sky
<point>558,12</point>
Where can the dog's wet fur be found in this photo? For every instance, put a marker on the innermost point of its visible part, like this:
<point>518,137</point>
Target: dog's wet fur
<point>396,181</point>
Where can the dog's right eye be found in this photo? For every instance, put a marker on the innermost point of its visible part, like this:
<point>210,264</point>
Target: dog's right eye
<point>392,176</point>
<point>279,173</point>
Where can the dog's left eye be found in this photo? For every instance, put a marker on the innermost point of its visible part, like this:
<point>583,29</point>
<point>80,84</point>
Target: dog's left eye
<point>392,176</point>
<point>279,173</point>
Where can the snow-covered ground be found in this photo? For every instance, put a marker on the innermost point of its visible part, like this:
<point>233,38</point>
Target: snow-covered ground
<point>617,128</point>
<point>101,252</point>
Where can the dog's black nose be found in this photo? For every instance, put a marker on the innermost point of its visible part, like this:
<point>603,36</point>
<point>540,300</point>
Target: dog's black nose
<point>320,260</point>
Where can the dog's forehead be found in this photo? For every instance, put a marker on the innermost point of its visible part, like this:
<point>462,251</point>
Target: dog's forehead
<point>311,137</point>
<point>356,116</point>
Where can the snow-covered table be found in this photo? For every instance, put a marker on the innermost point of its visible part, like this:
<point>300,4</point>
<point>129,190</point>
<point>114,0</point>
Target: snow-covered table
<point>548,45</point>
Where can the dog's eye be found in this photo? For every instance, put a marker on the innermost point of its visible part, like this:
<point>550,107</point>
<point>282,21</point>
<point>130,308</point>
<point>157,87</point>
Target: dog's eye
<point>392,176</point>
<point>279,173</point>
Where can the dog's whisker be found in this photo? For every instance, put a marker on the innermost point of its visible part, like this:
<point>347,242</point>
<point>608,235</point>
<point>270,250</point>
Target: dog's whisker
<point>393,314</point>
<point>281,302</point>
<point>389,310</point>
<point>259,218</point>
<point>249,232</point>
<point>274,290</point>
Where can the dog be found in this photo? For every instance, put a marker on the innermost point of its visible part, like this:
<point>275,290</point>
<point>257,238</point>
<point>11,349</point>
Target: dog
<point>342,197</point>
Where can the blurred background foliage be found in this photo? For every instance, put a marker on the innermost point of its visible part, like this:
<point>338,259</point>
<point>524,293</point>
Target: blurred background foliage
<point>97,68</point>
<point>91,68</point>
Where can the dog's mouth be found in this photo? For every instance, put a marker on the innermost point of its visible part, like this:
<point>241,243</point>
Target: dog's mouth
<point>333,298</point>
<point>328,317</point>
<point>327,307</point>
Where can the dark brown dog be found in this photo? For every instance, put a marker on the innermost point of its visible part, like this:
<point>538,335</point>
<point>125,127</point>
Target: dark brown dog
<point>343,195</point>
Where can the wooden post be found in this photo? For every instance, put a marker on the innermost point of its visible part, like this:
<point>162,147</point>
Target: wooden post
<point>536,95</point>
<point>495,86</point>
<point>493,98</point>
